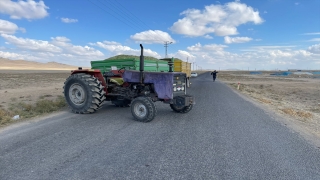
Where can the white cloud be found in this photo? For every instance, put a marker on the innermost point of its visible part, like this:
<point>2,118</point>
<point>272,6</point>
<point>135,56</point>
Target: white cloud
<point>225,30</point>
<point>315,39</point>
<point>7,27</point>
<point>222,20</point>
<point>208,37</point>
<point>279,53</point>
<point>183,55</point>
<point>314,33</point>
<point>229,40</point>
<point>60,49</point>
<point>213,56</point>
<point>207,47</point>
<point>31,44</point>
<point>16,56</point>
<point>29,9</point>
<point>264,48</point>
<point>152,37</point>
<point>314,49</point>
<point>69,48</point>
<point>279,62</point>
<point>67,20</point>
<point>23,30</point>
<point>116,49</point>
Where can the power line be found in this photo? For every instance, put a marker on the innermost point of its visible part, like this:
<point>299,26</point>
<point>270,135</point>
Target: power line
<point>111,14</point>
<point>113,8</point>
<point>131,21</point>
<point>131,13</point>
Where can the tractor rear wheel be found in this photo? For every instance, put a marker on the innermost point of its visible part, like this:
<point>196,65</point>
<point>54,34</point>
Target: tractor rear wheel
<point>143,109</point>
<point>84,93</point>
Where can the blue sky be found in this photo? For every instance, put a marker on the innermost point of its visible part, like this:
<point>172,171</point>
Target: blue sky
<point>246,34</point>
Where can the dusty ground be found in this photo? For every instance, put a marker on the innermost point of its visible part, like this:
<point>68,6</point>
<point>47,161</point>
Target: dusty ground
<point>30,86</point>
<point>29,81</point>
<point>296,97</point>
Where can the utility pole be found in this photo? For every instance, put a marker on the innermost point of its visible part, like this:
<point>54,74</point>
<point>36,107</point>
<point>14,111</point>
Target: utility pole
<point>166,44</point>
<point>193,65</point>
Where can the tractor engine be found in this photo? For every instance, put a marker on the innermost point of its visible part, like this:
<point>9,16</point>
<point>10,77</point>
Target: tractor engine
<point>129,91</point>
<point>124,92</point>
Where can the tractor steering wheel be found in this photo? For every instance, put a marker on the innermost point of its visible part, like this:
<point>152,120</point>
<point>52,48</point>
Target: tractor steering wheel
<point>121,69</point>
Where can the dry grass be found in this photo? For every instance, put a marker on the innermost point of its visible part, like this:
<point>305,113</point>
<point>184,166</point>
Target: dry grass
<point>25,110</point>
<point>297,113</point>
<point>263,100</point>
<point>5,117</point>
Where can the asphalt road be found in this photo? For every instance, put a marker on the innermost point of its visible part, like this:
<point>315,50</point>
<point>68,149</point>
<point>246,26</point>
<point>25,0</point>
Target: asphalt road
<point>223,137</point>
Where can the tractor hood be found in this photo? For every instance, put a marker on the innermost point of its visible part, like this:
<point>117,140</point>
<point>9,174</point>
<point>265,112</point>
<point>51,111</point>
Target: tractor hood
<point>162,81</point>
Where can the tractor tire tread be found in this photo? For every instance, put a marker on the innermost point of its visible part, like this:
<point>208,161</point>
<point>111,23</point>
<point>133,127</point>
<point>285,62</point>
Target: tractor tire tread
<point>96,92</point>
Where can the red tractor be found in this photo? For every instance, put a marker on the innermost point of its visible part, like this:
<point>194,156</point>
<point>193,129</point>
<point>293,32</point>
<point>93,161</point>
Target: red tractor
<point>85,90</point>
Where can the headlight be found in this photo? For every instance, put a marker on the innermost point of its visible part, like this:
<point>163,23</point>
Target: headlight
<point>182,88</point>
<point>174,89</point>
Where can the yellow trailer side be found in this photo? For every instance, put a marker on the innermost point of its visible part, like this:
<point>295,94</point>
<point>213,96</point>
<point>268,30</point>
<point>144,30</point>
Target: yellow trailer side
<point>181,66</point>
<point>185,67</point>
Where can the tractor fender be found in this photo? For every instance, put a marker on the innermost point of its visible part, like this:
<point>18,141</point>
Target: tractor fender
<point>94,72</point>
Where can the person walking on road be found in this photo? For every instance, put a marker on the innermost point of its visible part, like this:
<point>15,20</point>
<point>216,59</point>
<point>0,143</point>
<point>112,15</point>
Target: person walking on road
<point>214,75</point>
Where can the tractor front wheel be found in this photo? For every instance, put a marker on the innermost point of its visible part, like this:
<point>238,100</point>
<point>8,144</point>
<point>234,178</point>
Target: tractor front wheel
<point>180,107</point>
<point>184,109</point>
<point>143,109</point>
<point>84,93</point>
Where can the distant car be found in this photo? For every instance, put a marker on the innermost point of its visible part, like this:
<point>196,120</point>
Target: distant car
<point>194,74</point>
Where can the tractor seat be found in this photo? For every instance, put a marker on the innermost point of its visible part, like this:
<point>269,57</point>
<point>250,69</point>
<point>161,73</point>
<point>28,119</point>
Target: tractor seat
<point>118,81</point>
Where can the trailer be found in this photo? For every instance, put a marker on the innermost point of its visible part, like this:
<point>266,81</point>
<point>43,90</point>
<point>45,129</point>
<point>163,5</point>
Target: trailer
<point>150,65</point>
<point>130,64</point>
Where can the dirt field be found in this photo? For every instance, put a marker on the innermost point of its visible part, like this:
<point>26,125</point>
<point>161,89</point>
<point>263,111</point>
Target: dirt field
<point>295,97</point>
<point>29,81</point>
<point>30,86</point>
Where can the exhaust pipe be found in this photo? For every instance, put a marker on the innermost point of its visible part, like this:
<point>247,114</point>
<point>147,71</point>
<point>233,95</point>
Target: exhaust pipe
<point>141,64</point>
<point>170,63</point>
